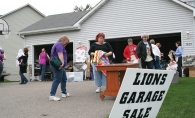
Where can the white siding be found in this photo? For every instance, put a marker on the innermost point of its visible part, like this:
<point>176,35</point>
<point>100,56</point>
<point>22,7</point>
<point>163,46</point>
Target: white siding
<point>17,21</point>
<point>132,18</point>
<point>125,18</point>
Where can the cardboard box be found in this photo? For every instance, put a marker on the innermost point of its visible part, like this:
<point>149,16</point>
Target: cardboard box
<point>192,71</point>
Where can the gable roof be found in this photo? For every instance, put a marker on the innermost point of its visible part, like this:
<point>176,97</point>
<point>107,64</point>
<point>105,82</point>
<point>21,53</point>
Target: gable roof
<point>56,21</point>
<point>22,8</point>
<point>185,5</point>
<point>88,14</point>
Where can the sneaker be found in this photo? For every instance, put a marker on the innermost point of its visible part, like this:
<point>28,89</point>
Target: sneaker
<point>98,90</point>
<point>65,95</point>
<point>53,98</point>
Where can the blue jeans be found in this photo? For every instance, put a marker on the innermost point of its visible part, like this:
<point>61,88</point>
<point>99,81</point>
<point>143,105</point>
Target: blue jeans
<point>100,78</point>
<point>156,63</point>
<point>59,77</point>
<point>1,69</point>
<point>23,78</point>
<point>179,67</point>
<point>43,68</point>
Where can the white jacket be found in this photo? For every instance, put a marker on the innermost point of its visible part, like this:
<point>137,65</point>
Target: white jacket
<point>156,50</point>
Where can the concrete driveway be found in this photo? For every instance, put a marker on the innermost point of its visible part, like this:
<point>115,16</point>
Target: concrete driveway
<point>32,101</point>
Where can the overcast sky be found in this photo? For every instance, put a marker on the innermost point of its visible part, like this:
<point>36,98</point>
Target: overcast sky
<point>45,6</point>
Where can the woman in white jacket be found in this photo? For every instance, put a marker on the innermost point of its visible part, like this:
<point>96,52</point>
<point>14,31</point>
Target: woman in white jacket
<point>157,54</point>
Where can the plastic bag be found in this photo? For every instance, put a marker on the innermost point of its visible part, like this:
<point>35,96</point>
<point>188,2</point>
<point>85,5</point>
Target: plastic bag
<point>172,66</point>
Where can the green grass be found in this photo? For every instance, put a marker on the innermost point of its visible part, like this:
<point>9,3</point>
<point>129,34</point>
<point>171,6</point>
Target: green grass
<point>179,101</point>
<point>7,81</point>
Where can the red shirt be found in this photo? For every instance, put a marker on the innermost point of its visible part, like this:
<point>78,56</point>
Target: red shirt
<point>128,52</point>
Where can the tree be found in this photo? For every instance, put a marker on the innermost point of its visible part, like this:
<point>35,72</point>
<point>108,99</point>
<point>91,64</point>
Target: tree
<point>87,8</point>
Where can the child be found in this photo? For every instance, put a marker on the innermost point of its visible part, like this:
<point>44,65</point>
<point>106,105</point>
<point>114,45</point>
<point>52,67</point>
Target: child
<point>20,53</point>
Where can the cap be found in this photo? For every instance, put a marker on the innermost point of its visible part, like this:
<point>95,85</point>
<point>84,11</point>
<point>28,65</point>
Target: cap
<point>130,40</point>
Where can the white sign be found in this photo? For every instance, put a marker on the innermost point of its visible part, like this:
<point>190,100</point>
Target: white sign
<point>84,67</point>
<point>141,93</point>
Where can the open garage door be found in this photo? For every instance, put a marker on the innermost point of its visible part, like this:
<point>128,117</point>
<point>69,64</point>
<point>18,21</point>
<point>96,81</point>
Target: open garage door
<point>37,51</point>
<point>167,41</point>
<point>38,48</point>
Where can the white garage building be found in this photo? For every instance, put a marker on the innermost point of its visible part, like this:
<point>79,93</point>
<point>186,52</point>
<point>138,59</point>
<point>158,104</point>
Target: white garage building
<point>167,21</point>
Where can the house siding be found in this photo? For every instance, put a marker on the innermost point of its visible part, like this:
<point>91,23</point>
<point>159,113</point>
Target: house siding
<point>124,18</point>
<point>17,21</point>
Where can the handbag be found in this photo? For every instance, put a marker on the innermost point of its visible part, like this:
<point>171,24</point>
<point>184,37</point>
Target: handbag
<point>23,64</point>
<point>55,62</point>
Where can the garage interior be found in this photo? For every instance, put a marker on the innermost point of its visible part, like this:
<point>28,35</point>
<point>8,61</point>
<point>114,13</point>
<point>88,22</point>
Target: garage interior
<point>167,42</point>
<point>37,51</point>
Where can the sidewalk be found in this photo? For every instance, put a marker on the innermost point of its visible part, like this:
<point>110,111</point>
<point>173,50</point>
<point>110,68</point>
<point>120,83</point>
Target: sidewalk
<point>32,101</point>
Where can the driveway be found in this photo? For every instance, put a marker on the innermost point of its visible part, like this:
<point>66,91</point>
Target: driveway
<point>32,101</point>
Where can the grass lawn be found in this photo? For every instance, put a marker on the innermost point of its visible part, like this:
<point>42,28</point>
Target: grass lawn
<point>179,101</point>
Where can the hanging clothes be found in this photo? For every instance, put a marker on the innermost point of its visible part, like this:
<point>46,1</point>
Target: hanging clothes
<point>101,59</point>
<point>80,53</point>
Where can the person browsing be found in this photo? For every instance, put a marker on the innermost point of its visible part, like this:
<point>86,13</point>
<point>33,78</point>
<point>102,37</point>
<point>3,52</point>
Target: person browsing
<point>58,50</point>
<point>100,44</point>
<point>42,61</point>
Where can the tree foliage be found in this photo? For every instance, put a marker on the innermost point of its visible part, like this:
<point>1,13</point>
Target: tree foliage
<point>87,8</point>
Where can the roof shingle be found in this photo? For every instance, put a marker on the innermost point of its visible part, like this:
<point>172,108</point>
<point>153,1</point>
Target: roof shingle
<point>56,21</point>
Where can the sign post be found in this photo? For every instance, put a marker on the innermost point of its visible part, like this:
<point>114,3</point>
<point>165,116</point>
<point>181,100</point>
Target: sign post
<point>142,93</point>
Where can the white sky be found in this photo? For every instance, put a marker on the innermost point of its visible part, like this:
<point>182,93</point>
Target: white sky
<point>47,7</point>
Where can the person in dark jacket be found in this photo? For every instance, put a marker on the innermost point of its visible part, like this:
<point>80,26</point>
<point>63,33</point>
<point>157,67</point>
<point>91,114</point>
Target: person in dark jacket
<point>23,66</point>
<point>144,52</point>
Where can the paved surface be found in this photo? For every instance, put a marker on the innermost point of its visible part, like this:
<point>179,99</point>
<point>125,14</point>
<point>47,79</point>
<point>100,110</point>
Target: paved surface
<point>32,101</point>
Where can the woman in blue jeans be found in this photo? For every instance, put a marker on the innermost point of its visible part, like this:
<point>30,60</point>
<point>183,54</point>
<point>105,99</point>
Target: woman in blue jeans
<point>23,59</point>
<point>42,61</point>
<point>59,51</point>
<point>100,78</point>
